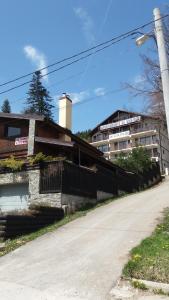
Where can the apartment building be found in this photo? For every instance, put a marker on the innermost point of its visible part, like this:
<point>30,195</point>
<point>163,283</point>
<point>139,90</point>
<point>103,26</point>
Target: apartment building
<point>122,131</point>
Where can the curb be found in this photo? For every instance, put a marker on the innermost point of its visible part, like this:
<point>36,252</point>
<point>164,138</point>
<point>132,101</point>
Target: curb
<point>152,285</point>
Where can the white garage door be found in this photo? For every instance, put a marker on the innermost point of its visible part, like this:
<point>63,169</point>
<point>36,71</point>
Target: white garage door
<point>13,197</point>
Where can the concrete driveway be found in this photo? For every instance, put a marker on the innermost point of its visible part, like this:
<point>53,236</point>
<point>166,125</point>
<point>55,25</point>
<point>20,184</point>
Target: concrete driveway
<point>84,259</point>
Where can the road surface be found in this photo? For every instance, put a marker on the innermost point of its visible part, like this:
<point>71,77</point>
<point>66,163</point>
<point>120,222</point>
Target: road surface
<point>83,259</point>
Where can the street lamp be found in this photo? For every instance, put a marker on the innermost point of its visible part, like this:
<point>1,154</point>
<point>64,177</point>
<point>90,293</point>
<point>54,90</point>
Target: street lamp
<point>142,39</point>
<point>163,59</point>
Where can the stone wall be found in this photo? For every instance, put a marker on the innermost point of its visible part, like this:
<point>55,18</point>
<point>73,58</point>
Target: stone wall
<point>32,177</point>
<point>12,178</point>
<point>71,203</point>
<point>52,199</point>
<point>103,196</point>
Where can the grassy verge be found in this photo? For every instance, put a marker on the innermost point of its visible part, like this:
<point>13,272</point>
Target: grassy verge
<point>13,244</point>
<point>150,260</point>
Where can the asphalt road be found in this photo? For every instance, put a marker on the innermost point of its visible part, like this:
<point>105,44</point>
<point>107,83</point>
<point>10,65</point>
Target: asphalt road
<point>84,259</point>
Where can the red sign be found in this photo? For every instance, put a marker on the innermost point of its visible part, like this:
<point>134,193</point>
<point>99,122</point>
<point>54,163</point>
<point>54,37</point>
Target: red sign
<point>21,141</point>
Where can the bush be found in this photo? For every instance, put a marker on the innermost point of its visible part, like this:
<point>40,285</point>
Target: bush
<point>40,157</point>
<point>138,161</point>
<point>12,163</point>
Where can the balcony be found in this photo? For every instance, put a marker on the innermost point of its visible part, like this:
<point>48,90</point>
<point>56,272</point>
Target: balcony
<point>129,147</point>
<point>99,140</point>
<point>121,149</point>
<point>138,132</point>
<point>119,135</point>
<point>143,131</point>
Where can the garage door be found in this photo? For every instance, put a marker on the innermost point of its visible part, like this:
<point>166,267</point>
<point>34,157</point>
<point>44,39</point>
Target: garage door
<point>13,197</point>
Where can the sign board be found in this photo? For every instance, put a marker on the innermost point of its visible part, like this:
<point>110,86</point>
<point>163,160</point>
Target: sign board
<point>119,134</point>
<point>21,141</point>
<point>120,123</point>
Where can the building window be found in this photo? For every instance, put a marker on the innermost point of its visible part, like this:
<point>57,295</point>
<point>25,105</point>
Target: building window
<point>103,148</point>
<point>94,138</point>
<point>115,146</point>
<point>145,140</point>
<point>105,136</point>
<point>154,139</point>
<point>99,137</point>
<point>155,152</point>
<point>122,145</point>
<point>13,131</point>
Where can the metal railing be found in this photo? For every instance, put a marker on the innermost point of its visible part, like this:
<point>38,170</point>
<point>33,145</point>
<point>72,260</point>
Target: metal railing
<point>99,138</point>
<point>138,130</point>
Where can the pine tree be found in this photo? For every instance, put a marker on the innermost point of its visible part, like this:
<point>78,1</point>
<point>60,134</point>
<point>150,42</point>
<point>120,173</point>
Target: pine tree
<point>39,100</point>
<point>6,108</point>
<point>85,135</point>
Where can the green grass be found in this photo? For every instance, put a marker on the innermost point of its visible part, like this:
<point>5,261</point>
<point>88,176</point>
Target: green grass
<point>139,285</point>
<point>13,244</point>
<point>150,260</point>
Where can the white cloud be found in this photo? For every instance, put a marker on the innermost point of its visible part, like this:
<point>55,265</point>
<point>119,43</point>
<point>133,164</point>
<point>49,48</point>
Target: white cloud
<point>37,58</point>
<point>75,97</point>
<point>87,24</point>
<point>79,97</point>
<point>100,91</point>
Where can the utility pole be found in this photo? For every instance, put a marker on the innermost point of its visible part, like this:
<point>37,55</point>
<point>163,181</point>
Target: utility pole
<point>163,59</point>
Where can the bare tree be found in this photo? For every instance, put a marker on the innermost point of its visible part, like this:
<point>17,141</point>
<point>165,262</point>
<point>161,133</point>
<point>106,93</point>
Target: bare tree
<point>151,86</point>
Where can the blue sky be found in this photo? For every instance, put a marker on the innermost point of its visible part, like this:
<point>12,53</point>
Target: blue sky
<point>37,33</point>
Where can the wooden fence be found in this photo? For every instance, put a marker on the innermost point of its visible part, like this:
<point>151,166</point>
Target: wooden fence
<point>71,179</point>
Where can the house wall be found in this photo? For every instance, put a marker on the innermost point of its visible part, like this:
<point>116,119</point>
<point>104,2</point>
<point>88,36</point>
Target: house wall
<point>7,144</point>
<point>14,178</point>
<point>71,203</point>
<point>32,178</point>
<point>68,202</point>
<point>52,199</point>
<point>43,131</point>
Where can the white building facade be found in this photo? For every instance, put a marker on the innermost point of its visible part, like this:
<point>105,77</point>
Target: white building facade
<point>122,131</point>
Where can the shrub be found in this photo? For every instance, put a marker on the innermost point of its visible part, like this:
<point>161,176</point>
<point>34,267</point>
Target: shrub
<point>137,161</point>
<point>12,163</point>
<point>40,157</point>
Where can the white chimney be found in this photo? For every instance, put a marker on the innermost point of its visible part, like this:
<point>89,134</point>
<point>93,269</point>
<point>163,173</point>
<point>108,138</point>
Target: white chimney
<point>65,111</point>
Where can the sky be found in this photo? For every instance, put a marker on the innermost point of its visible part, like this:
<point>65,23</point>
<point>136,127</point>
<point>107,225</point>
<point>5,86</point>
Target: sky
<point>37,33</point>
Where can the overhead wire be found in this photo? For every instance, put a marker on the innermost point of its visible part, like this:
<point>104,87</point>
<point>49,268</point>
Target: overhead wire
<point>51,85</point>
<point>93,98</point>
<point>112,41</point>
<point>64,66</point>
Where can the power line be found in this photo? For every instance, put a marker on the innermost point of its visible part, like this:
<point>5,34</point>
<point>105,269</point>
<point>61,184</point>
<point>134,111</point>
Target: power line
<point>89,99</point>
<point>124,35</point>
<point>66,65</point>
<point>93,98</point>
<point>51,85</point>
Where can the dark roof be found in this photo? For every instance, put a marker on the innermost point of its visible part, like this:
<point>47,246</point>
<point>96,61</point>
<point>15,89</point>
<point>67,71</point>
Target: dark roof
<point>121,111</point>
<point>22,116</point>
<point>76,139</point>
<point>53,141</point>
